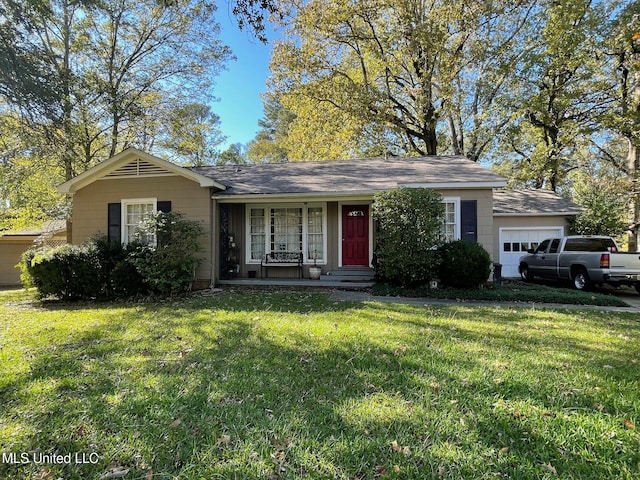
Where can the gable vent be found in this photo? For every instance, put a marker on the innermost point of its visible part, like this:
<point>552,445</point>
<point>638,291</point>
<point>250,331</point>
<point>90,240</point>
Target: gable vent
<point>138,168</point>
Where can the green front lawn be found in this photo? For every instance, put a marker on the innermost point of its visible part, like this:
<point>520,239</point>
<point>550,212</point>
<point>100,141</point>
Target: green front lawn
<point>510,291</point>
<point>288,384</point>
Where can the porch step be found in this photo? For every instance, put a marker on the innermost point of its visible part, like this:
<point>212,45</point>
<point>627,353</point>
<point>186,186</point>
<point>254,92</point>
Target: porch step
<point>347,274</point>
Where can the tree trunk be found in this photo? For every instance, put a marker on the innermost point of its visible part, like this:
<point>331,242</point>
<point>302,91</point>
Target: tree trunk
<point>633,159</point>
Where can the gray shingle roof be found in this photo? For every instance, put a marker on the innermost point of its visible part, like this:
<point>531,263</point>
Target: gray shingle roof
<point>348,176</point>
<point>532,202</point>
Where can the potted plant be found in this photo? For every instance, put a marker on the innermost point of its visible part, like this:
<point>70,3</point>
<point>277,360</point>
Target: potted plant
<point>315,271</point>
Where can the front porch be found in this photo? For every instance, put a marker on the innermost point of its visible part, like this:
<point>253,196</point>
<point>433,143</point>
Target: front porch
<point>345,278</point>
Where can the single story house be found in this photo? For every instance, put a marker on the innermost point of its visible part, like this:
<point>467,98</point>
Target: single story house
<point>322,209</point>
<point>14,243</point>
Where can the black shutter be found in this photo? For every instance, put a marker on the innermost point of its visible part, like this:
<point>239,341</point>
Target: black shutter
<point>114,219</point>
<point>470,220</point>
<point>164,206</point>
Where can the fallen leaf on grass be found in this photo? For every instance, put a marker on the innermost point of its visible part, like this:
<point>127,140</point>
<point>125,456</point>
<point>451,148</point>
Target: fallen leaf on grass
<point>148,475</point>
<point>550,468</point>
<point>503,450</point>
<point>115,472</point>
<point>441,471</point>
<point>629,424</point>
<point>396,468</point>
<point>400,349</point>
<point>395,446</point>
<point>223,440</point>
<point>381,469</point>
<point>175,423</point>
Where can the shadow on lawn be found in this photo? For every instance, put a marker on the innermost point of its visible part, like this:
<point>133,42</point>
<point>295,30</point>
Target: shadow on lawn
<point>202,398</point>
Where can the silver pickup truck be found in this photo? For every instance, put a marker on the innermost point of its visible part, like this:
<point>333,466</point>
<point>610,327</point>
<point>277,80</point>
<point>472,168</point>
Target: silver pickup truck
<point>584,260</point>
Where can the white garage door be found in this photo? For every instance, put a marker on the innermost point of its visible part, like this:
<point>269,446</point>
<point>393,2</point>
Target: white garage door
<point>514,242</point>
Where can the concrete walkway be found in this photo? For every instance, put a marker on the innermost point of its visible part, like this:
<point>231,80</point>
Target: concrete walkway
<point>356,296</point>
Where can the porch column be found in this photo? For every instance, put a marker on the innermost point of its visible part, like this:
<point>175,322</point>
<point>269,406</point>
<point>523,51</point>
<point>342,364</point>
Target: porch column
<point>214,243</point>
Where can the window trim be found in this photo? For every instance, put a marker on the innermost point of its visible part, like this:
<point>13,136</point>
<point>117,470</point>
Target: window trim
<point>305,229</point>
<point>457,216</point>
<point>125,202</point>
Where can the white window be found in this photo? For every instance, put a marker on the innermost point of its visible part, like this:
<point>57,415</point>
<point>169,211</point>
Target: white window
<point>287,228</point>
<point>134,212</point>
<point>257,231</point>
<point>451,221</point>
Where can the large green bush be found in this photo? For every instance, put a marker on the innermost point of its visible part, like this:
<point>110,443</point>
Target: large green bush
<point>409,231</point>
<point>68,272</point>
<point>169,266</point>
<point>103,269</point>
<point>463,264</point>
<point>119,277</point>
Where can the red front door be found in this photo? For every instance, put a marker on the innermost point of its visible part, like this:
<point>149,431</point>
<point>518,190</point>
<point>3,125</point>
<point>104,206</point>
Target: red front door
<point>355,235</point>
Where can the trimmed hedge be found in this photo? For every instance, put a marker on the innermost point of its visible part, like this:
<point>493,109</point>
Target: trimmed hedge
<point>103,269</point>
<point>69,272</point>
<point>463,264</point>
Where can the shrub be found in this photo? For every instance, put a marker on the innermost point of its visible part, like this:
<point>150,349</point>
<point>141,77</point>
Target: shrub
<point>119,277</point>
<point>410,227</point>
<point>463,264</point>
<point>67,272</point>
<point>169,267</point>
<point>100,268</point>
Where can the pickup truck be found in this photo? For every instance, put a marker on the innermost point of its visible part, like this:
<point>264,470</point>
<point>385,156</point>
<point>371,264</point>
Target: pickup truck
<point>584,260</point>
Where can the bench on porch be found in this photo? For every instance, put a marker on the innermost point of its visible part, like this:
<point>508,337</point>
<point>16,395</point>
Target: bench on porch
<point>282,259</point>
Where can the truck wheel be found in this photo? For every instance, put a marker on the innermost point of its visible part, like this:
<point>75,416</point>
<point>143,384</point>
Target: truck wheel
<point>525,273</point>
<point>581,280</point>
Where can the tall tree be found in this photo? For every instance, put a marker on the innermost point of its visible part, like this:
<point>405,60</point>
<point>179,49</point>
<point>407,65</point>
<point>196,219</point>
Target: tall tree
<point>268,145</point>
<point>104,73</point>
<point>559,95</point>
<point>624,118</point>
<point>389,63</point>
<point>191,134</point>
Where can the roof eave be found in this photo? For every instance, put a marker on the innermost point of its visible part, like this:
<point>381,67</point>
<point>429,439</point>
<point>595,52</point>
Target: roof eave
<point>454,185</point>
<point>535,214</point>
<point>93,174</point>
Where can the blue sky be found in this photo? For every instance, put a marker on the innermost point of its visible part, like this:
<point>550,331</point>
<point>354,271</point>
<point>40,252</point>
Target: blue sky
<point>239,87</point>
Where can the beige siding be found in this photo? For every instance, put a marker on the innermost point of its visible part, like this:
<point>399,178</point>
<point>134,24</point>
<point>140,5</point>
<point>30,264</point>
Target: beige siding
<point>11,248</point>
<point>90,207</point>
<point>485,213</point>
<point>524,222</point>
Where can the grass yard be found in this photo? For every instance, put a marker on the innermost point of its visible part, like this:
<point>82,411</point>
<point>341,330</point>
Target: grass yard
<point>288,384</point>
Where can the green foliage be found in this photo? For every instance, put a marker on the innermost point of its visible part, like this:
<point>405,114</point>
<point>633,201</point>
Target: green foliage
<point>605,205</point>
<point>103,269</point>
<point>68,272</point>
<point>169,266</point>
<point>118,276</point>
<point>463,264</point>
<point>81,80</point>
<point>192,134</point>
<point>410,227</point>
<point>268,145</point>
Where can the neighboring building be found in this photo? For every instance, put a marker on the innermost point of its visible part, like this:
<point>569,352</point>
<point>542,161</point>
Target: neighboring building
<point>14,243</point>
<point>322,209</point>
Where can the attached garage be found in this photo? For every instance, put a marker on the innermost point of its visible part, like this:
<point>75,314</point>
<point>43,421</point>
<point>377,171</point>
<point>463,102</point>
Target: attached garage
<point>522,219</point>
<point>515,241</point>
